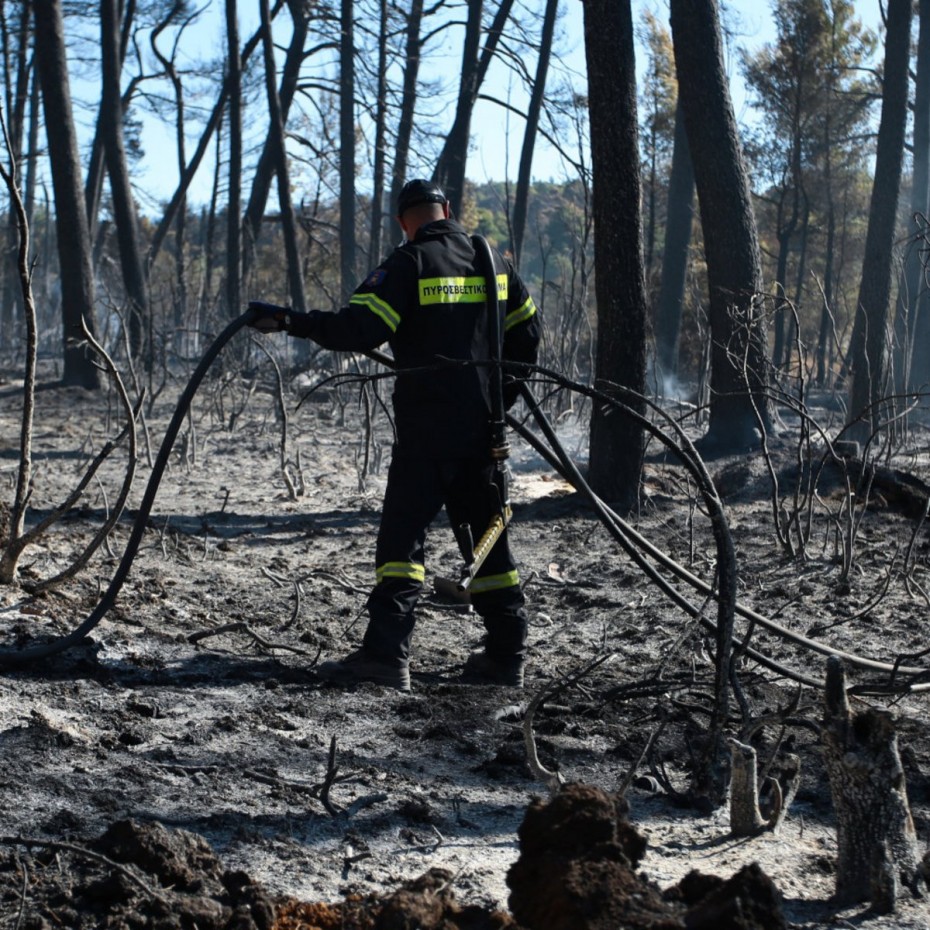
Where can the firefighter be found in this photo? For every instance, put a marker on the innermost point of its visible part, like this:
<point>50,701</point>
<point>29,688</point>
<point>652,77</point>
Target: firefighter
<point>427,301</point>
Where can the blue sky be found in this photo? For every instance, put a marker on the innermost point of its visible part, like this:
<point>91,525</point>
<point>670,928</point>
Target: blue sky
<point>497,137</point>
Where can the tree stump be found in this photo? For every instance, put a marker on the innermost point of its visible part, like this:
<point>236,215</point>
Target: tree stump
<point>876,843</point>
<point>746,816</point>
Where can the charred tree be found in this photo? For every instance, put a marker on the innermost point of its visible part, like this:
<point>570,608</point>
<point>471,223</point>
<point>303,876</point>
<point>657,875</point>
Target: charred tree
<point>347,152</point>
<point>213,124</point>
<point>413,45</point>
<point>450,166</point>
<point>234,200</point>
<point>179,250</point>
<point>74,248</point>
<point>377,224</point>
<point>915,366</point>
<point>617,444</point>
<point>739,373</point>
<point>522,194</point>
<point>124,207</point>
<point>279,152</point>
<point>868,350</point>
<point>18,76</point>
<point>268,160</point>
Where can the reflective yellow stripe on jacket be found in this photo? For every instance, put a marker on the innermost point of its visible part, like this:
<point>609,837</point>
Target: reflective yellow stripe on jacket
<point>520,314</point>
<point>379,307</point>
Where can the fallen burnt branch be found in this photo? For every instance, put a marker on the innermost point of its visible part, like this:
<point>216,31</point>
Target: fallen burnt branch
<point>257,638</point>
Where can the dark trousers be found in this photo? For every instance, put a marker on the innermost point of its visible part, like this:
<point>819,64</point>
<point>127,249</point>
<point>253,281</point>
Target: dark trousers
<point>417,488</point>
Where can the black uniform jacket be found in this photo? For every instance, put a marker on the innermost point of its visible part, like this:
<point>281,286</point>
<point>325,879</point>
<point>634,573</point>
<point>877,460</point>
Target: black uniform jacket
<point>427,301</point>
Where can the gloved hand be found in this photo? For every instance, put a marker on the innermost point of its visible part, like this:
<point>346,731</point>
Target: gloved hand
<point>269,318</point>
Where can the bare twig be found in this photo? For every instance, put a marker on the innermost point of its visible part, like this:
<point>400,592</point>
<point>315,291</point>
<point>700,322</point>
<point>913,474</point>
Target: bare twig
<point>292,488</point>
<point>331,771</point>
<point>552,780</point>
<point>242,627</point>
<point>130,429</point>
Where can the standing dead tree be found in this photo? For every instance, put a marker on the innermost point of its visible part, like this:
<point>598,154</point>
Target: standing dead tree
<point>876,842</point>
<point>18,538</point>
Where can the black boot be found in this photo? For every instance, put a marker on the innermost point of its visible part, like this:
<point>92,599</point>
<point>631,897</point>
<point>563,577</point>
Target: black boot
<point>363,665</point>
<point>486,668</point>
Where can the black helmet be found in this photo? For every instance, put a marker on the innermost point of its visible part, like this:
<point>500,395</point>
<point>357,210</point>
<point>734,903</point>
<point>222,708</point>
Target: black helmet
<point>418,191</point>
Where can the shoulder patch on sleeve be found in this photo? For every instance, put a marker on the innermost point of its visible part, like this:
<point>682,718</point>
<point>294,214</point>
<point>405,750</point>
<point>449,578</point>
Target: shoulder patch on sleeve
<point>376,277</point>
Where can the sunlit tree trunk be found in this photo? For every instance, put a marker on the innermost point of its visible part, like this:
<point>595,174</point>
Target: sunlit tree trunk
<point>77,279</point>
<point>868,348</point>
<point>678,227</point>
<point>616,457</point>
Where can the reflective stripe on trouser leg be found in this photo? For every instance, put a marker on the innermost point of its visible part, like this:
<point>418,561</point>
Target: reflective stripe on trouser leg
<point>412,499</point>
<point>499,601</point>
<point>482,584</point>
<point>495,592</point>
<point>413,571</point>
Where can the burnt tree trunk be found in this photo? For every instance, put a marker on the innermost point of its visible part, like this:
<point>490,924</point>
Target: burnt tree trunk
<point>124,207</point>
<point>234,201</point>
<point>916,344</point>
<point>522,196</point>
<point>347,152</point>
<point>876,841</point>
<point>74,258</point>
<point>279,153</point>
<point>739,372</point>
<point>450,166</point>
<point>617,445</point>
<point>376,226</point>
<point>268,160</point>
<point>408,99</point>
<point>868,348</point>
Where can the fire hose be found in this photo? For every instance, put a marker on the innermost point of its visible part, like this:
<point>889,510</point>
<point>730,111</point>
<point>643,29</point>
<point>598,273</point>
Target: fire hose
<point>633,543</point>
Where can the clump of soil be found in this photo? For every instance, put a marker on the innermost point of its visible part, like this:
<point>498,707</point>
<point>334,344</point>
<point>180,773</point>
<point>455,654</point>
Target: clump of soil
<point>576,871</point>
<point>137,875</point>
